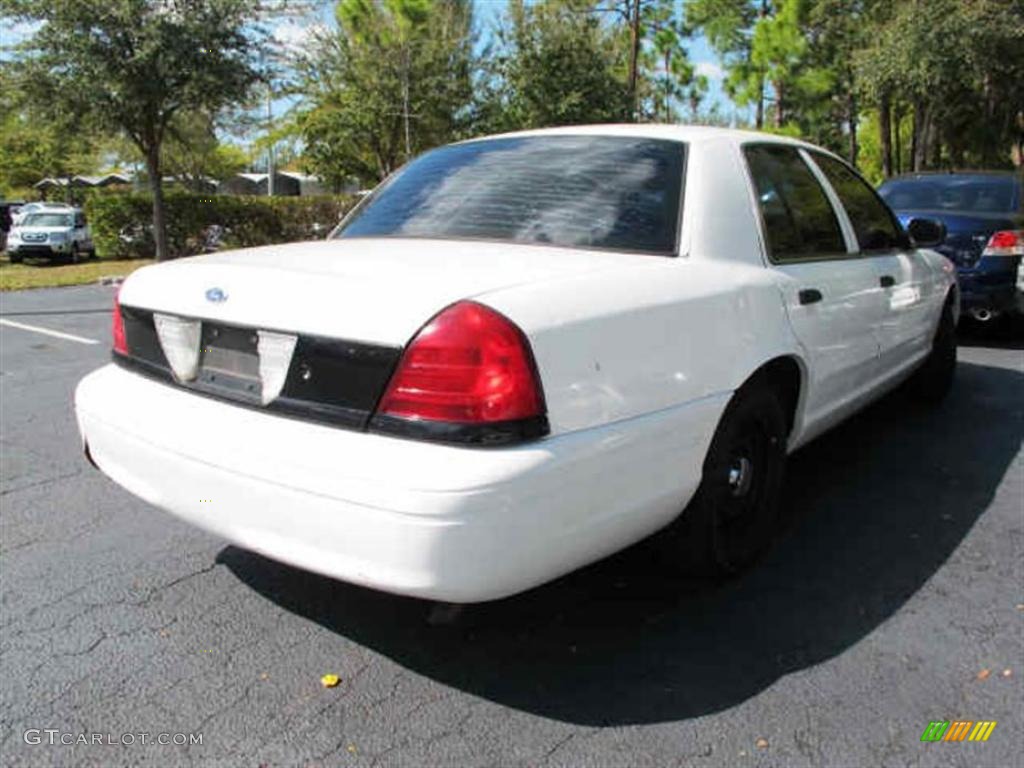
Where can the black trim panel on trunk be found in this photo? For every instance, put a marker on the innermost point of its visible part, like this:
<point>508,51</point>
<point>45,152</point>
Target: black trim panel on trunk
<point>330,381</point>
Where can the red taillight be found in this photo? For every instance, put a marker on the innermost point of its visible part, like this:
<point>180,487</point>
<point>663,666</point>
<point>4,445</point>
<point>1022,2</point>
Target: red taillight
<point>1009,242</point>
<point>469,365</point>
<point>117,328</point>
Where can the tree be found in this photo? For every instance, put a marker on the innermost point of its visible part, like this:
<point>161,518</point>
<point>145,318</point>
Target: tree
<point>729,28</point>
<point>817,68</point>
<point>132,66</point>
<point>666,75</point>
<point>778,71</point>
<point>557,64</point>
<point>31,150</point>
<point>392,80</point>
<point>632,14</point>
<point>33,147</point>
<point>194,155</point>
<point>777,52</point>
<point>965,99</point>
<point>804,50</point>
<point>657,68</point>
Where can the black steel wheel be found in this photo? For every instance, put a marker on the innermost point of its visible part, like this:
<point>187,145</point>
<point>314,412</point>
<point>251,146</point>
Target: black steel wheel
<point>734,515</point>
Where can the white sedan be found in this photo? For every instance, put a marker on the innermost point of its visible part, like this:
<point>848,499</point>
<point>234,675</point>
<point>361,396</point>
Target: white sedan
<point>521,354</point>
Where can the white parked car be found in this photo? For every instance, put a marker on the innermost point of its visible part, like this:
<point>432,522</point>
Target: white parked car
<point>521,354</point>
<point>51,234</point>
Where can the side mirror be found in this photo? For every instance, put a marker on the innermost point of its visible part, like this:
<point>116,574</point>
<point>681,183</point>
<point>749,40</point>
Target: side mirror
<point>926,233</point>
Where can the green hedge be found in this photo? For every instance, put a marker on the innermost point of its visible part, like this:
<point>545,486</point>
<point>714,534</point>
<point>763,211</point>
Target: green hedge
<point>122,224</point>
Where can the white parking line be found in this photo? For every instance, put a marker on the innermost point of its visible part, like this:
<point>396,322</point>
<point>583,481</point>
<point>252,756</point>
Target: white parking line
<point>48,332</point>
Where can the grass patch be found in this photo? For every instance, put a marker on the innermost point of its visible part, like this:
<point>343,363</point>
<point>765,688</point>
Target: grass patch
<point>15,277</point>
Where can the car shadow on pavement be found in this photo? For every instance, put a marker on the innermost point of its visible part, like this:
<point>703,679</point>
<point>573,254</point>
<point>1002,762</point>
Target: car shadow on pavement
<point>876,507</point>
<point>1002,333</point>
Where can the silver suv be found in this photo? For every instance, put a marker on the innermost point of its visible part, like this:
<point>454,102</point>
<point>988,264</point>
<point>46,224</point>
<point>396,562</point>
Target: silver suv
<point>51,234</point>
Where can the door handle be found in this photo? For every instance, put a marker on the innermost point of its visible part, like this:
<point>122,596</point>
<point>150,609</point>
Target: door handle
<point>887,281</point>
<point>809,296</point>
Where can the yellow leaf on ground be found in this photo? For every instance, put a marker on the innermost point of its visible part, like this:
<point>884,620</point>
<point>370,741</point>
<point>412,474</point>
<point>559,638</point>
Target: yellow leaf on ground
<point>329,681</point>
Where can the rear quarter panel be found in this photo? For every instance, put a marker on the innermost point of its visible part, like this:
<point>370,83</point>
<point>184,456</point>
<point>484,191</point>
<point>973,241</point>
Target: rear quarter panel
<point>619,344</point>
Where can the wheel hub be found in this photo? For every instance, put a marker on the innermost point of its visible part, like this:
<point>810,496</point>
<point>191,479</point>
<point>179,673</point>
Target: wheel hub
<point>739,477</point>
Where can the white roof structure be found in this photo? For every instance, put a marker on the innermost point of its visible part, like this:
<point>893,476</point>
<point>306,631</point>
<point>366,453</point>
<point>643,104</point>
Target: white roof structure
<point>84,181</point>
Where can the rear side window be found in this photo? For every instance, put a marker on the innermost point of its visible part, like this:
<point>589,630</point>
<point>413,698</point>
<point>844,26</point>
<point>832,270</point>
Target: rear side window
<point>615,192</point>
<point>870,217</point>
<point>798,217</point>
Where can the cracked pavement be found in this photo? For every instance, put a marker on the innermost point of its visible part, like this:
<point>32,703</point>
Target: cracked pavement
<point>897,581</point>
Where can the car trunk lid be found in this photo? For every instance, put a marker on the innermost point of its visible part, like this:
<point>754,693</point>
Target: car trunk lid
<point>371,290</point>
<point>315,330</point>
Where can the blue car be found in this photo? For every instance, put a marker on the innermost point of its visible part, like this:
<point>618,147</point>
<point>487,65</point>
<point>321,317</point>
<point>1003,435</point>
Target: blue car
<point>983,213</point>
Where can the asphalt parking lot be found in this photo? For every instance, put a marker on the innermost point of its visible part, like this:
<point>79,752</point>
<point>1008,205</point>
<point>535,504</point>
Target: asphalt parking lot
<point>895,597</point>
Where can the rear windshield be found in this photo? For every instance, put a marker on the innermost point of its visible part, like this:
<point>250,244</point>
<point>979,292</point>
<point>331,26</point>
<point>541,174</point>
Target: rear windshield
<point>47,220</point>
<point>610,192</point>
<point>953,193</point>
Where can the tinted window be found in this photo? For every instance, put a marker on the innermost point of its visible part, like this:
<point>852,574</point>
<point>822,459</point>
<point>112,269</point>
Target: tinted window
<point>871,220</point>
<point>977,194</point>
<point>798,217</point>
<point>615,192</point>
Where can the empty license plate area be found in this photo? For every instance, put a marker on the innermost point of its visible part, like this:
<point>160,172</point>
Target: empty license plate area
<point>320,379</point>
<point>229,361</point>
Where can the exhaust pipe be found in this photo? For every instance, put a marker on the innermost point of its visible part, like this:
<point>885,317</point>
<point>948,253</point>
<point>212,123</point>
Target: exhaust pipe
<point>982,315</point>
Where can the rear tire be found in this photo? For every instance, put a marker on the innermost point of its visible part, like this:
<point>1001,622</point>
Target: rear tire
<point>15,258</point>
<point>932,381</point>
<point>76,255</point>
<point>735,513</point>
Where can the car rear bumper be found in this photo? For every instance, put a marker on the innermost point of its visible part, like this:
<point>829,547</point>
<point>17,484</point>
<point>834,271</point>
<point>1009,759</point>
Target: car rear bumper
<point>415,518</point>
<point>990,285</point>
<point>993,298</point>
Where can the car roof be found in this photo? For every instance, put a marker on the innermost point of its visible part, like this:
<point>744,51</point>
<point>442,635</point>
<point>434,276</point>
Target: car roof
<point>51,211</point>
<point>692,134</point>
<point>44,206</point>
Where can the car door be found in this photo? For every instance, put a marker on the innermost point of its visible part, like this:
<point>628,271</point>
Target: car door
<point>905,327</point>
<point>831,296</point>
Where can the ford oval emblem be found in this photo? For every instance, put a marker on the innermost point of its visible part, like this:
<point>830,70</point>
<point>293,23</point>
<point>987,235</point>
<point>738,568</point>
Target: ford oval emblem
<point>216,295</point>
